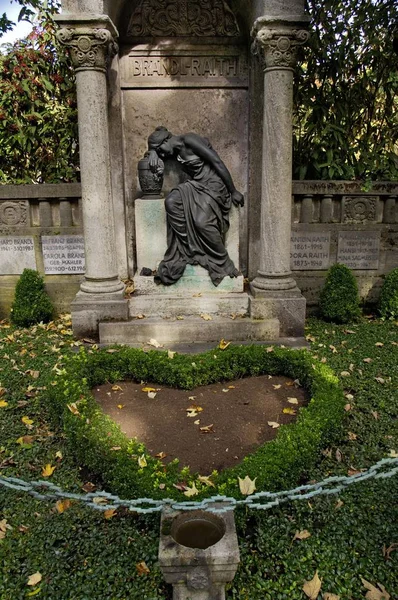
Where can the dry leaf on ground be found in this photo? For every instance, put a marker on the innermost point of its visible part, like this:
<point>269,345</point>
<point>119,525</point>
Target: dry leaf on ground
<point>48,470</point>
<point>206,480</point>
<point>289,411</point>
<point>155,343</point>
<point>34,579</point>
<point>142,461</point>
<point>292,400</point>
<point>329,596</point>
<point>142,568</point>
<point>191,491</point>
<point>206,317</point>
<point>63,505</point>
<point>109,513</point>
<point>312,588</point>
<point>301,535</point>
<point>273,424</point>
<point>247,486</point>
<point>375,593</point>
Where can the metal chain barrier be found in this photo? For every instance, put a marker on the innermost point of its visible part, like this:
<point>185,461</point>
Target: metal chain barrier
<point>45,490</point>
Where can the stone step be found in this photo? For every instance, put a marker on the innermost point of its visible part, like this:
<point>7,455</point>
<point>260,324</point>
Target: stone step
<point>190,304</point>
<point>138,332</point>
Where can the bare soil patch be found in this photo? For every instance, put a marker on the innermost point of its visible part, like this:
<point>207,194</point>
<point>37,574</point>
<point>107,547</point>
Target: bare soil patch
<point>236,415</point>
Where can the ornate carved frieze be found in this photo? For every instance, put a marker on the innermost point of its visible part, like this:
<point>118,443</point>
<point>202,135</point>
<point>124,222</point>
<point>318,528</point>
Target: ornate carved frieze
<point>359,209</point>
<point>14,214</point>
<point>193,18</point>
<point>277,46</point>
<point>89,47</point>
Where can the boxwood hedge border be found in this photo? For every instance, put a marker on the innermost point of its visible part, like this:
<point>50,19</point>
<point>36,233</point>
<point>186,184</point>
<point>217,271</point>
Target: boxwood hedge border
<point>99,444</point>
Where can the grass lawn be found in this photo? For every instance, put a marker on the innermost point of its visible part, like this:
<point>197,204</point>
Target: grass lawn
<point>81,555</point>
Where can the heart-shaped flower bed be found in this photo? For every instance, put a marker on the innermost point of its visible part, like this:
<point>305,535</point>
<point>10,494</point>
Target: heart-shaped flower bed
<point>124,464</point>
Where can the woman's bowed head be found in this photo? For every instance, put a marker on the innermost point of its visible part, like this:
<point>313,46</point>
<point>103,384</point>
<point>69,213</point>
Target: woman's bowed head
<point>198,209</point>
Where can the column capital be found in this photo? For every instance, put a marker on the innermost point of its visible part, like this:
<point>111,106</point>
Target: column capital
<point>91,40</point>
<point>276,40</point>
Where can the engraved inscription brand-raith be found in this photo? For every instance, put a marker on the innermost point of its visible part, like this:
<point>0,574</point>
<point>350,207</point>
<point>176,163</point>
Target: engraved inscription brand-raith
<point>187,18</point>
<point>185,66</point>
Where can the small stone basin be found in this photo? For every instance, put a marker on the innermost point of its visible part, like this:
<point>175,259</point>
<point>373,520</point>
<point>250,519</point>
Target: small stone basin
<point>198,530</point>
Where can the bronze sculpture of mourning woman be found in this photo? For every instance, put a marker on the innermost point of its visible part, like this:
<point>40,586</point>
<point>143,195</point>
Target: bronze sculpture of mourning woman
<point>197,210</point>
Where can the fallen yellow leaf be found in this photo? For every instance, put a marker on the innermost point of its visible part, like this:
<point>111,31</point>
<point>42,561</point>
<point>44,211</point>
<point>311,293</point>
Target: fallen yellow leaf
<point>25,440</point>
<point>329,596</point>
<point>292,400</point>
<point>276,386</point>
<point>142,461</point>
<point>142,568</point>
<point>191,491</point>
<point>117,388</point>
<point>206,317</point>
<point>27,421</point>
<point>247,486</point>
<point>109,513</point>
<point>312,588</point>
<point>155,343</point>
<point>120,406</point>
<point>207,428</point>
<point>73,408</point>
<point>35,578</point>
<point>3,403</point>
<point>206,480</point>
<point>223,344</point>
<point>375,593</point>
<point>148,389</point>
<point>289,411</point>
<point>274,424</point>
<point>301,535</point>
<point>48,470</point>
<point>63,505</point>
<point>170,354</point>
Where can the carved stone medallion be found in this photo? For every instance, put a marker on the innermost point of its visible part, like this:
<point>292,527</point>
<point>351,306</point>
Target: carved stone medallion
<point>196,18</point>
<point>13,214</point>
<point>359,209</point>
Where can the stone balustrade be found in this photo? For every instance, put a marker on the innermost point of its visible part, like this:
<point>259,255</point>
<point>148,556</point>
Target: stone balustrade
<point>40,207</point>
<point>332,221</point>
<point>344,202</point>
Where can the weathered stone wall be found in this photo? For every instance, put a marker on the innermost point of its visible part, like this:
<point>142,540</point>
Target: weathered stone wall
<point>41,228</point>
<point>336,221</point>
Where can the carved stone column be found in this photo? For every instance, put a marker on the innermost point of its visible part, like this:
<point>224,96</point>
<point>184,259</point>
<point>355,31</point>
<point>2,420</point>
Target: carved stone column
<point>91,41</point>
<point>276,41</point>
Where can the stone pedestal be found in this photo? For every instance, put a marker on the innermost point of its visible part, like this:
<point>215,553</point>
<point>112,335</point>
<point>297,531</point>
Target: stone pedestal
<point>90,39</point>
<point>274,290</point>
<point>198,553</point>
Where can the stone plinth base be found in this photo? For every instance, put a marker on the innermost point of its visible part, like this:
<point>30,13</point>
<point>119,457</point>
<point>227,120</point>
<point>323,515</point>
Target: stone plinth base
<point>89,309</point>
<point>138,332</point>
<point>190,304</point>
<point>287,307</point>
<point>195,280</point>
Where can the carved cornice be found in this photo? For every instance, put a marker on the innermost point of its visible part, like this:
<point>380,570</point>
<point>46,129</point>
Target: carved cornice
<point>276,43</point>
<point>90,47</point>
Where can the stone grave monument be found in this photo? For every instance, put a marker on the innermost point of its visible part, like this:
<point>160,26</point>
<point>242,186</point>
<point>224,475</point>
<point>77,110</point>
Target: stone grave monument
<point>209,250</point>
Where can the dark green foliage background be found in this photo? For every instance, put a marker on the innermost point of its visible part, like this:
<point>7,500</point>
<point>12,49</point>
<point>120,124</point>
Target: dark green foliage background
<point>346,93</point>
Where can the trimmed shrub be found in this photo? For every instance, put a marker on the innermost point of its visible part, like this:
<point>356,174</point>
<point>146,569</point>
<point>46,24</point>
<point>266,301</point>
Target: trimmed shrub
<point>339,298</point>
<point>31,303</point>
<point>98,442</point>
<point>388,302</point>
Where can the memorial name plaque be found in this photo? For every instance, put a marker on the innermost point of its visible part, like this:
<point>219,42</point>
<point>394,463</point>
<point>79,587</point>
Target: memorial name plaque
<point>63,254</point>
<point>309,250</point>
<point>359,249</point>
<point>16,254</point>
<point>191,69</point>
